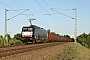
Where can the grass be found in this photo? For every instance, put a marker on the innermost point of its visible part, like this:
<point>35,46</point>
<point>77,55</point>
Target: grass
<point>75,52</point>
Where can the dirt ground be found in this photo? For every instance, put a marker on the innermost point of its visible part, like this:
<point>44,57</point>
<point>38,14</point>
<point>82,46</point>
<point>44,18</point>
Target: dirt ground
<point>49,53</point>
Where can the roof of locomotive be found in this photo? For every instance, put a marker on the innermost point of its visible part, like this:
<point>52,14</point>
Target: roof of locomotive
<point>32,26</point>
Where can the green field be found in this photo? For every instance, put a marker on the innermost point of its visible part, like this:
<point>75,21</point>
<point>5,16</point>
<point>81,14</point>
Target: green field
<point>75,52</point>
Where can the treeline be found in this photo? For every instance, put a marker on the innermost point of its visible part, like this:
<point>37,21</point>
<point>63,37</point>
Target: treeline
<point>84,40</point>
<point>10,41</point>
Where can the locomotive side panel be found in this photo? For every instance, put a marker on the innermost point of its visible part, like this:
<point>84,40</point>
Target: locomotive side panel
<point>40,34</point>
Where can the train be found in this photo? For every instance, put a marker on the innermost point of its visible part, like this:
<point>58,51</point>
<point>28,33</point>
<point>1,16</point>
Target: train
<point>35,34</point>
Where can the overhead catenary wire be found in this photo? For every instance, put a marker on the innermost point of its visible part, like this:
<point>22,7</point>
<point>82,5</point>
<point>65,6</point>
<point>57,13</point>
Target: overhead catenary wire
<point>15,10</point>
<point>27,14</point>
<point>42,7</point>
<point>17,3</point>
<point>45,9</point>
<point>62,13</point>
<point>22,9</point>
<point>11,8</point>
<point>6,5</point>
<point>54,18</point>
<point>23,6</point>
<point>38,3</point>
<point>62,9</point>
<point>47,4</point>
<point>18,14</point>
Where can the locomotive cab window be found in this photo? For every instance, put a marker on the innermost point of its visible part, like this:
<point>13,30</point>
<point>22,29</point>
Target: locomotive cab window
<point>30,29</point>
<point>24,29</point>
<point>27,29</point>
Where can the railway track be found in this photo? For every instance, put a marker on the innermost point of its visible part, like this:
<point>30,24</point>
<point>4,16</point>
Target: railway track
<point>25,48</point>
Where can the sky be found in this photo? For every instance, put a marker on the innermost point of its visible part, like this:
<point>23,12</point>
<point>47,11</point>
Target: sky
<point>44,16</point>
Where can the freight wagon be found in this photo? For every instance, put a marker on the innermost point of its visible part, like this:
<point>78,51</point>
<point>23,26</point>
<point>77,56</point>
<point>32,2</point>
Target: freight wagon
<point>36,34</point>
<point>64,39</point>
<point>52,37</point>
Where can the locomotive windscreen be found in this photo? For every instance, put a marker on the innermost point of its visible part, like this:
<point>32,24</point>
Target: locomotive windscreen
<point>27,29</point>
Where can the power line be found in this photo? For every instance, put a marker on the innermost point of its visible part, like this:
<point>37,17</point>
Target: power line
<point>23,6</point>
<point>47,4</point>
<point>18,14</point>
<point>61,25</point>
<point>62,9</point>
<point>6,5</point>
<point>26,14</point>
<point>11,7</point>
<point>17,3</point>
<point>53,17</point>
<point>15,10</point>
<point>62,13</point>
<point>42,7</point>
<point>45,9</point>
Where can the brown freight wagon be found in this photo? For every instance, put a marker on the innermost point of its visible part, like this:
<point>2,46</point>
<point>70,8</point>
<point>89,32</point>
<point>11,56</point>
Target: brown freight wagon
<point>52,37</point>
<point>64,39</point>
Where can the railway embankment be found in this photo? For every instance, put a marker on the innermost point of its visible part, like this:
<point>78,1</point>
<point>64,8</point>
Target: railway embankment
<point>47,53</point>
<point>74,52</point>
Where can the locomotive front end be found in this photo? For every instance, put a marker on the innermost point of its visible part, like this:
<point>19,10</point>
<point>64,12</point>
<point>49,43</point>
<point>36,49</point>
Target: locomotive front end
<point>27,34</point>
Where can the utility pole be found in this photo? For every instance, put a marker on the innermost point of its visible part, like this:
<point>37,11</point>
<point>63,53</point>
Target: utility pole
<point>75,33</point>
<point>5,22</point>
<point>5,29</point>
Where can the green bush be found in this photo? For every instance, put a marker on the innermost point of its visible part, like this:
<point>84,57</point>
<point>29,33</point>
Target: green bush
<point>18,42</point>
<point>11,42</point>
<point>15,42</point>
<point>84,40</point>
<point>2,42</point>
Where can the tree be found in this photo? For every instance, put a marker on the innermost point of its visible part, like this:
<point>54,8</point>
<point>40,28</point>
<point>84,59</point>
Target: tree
<point>84,39</point>
<point>48,30</point>
<point>17,36</point>
<point>1,36</point>
<point>58,34</point>
<point>53,32</point>
<point>14,41</point>
<point>84,35</point>
<point>67,36</point>
<point>89,34</point>
<point>18,42</point>
<point>88,39</point>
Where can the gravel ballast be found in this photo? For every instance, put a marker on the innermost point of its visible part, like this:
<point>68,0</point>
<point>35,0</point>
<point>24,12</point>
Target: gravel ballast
<point>49,53</point>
